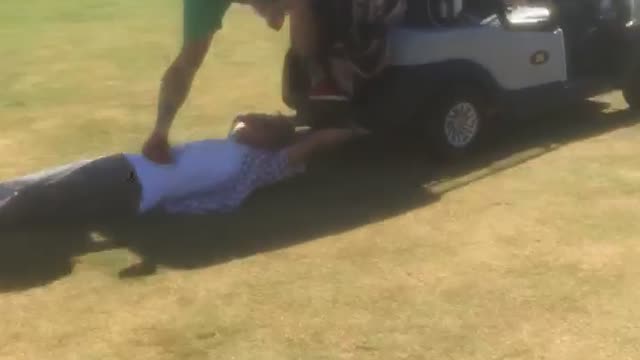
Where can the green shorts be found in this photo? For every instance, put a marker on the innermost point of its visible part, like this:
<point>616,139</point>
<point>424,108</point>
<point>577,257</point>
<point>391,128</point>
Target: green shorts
<point>203,17</point>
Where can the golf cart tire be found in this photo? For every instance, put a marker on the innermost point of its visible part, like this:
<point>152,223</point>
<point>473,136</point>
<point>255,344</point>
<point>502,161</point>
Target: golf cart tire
<point>448,142</point>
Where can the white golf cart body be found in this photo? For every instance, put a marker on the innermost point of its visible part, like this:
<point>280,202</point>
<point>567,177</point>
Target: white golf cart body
<point>508,56</point>
<point>518,62</point>
<point>526,65</point>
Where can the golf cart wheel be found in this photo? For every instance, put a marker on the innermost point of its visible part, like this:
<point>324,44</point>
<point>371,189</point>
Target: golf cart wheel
<point>457,124</point>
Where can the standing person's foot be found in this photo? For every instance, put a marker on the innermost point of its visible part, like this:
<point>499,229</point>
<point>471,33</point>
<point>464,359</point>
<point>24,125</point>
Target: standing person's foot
<point>157,148</point>
<point>325,90</point>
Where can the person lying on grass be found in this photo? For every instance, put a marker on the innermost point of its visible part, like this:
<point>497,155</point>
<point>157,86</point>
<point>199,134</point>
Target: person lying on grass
<point>214,175</point>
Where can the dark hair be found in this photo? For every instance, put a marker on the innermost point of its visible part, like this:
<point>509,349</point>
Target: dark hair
<point>281,131</point>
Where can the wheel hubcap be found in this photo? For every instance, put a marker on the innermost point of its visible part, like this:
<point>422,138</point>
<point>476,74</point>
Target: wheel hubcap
<point>461,124</point>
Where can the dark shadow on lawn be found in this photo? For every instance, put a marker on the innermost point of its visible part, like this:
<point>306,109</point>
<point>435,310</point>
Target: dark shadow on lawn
<point>364,184</point>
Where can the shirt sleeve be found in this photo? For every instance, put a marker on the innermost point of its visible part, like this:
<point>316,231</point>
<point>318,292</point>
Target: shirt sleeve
<point>266,168</point>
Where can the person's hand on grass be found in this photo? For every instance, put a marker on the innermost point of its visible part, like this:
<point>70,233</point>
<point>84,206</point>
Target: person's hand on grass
<point>157,148</point>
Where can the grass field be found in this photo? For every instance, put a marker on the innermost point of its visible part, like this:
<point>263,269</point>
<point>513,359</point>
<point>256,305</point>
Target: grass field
<point>527,252</point>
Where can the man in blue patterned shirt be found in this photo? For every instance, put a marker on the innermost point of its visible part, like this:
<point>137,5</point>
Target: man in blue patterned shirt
<point>214,175</point>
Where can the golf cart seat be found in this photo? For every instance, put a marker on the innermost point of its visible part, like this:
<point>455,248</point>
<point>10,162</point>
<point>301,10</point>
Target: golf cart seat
<point>523,18</point>
<point>447,13</point>
<point>431,14</point>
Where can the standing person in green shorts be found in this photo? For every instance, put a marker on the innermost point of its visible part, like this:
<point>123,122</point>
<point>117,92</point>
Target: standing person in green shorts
<point>202,19</point>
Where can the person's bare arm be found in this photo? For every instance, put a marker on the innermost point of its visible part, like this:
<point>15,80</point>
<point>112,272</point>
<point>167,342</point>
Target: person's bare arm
<point>174,90</point>
<point>318,141</point>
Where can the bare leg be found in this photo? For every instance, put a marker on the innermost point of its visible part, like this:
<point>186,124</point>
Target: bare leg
<point>176,85</point>
<point>305,37</point>
<point>343,74</point>
<point>303,28</point>
<point>311,39</point>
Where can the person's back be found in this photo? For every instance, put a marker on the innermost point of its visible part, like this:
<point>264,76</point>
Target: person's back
<point>199,168</point>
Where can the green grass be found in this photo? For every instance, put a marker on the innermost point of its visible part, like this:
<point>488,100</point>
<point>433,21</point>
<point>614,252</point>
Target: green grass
<point>527,252</point>
<point>92,72</point>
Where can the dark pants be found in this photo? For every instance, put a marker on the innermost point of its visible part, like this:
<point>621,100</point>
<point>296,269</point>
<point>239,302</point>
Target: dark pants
<point>84,191</point>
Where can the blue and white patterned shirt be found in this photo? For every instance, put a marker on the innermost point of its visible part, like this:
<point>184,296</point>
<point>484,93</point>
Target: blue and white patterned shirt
<point>259,168</point>
<point>209,176</point>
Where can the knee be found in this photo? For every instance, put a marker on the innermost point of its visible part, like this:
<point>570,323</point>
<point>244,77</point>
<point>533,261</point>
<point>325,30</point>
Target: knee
<point>191,57</point>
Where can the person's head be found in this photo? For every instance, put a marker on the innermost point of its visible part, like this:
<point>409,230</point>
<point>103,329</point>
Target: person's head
<point>273,11</point>
<point>264,130</point>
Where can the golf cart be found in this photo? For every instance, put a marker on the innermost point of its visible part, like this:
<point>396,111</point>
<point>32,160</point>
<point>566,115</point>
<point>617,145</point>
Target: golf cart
<point>458,66</point>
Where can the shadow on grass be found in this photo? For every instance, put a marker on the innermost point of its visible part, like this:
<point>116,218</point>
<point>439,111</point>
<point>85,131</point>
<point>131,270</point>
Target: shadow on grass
<point>364,184</point>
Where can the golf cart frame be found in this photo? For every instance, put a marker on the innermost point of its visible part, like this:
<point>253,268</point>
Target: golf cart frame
<point>453,74</point>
